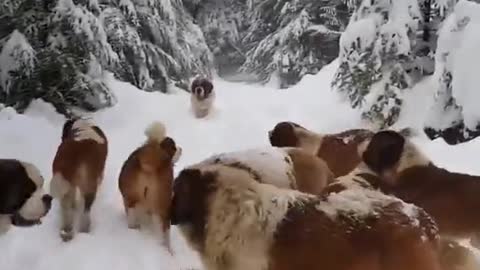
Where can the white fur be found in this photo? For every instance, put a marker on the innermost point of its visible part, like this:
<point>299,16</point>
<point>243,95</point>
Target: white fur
<point>202,108</point>
<point>411,156</point>
<point>177,154</point>
<point>156,132</point>
<point>272,164</point>
<point>34,208</point>
<point>243,217</point>
<point>358,201</point>
<point>84,131</point>
<point>309,140</point>
<point>59,186</point>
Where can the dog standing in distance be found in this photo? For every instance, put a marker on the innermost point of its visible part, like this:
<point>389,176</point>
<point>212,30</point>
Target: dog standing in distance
<point>146,180</point>
<point>23,201</point>
<point>202,97</point>
<point>78,169</point>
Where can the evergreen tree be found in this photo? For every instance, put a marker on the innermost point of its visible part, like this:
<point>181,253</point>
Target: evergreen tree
<point>224,24</point>
<point>293,38</point>
<point>452,116</point>
<point>61,50</point>
<point>376,57</point>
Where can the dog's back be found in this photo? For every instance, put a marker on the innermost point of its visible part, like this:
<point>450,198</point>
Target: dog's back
<point>81,162</point>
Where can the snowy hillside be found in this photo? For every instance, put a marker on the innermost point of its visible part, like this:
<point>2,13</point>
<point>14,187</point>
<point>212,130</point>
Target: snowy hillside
<point>242,118</point>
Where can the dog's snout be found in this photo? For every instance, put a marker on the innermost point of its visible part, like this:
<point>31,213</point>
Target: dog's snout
<point>47,200</point>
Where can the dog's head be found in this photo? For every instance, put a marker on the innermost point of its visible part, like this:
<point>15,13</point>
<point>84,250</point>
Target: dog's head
<point>388,153</point>
<point>170,151</point>
<point>287,134</point>
<point>202,88</point>
<point>22,196</point>
<point>191,190</point>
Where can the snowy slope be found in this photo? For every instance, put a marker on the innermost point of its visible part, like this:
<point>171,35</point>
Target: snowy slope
<point>241,120</point>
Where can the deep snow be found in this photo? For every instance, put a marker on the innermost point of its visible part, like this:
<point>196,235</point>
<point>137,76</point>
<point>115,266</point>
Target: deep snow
<point>243,115</point>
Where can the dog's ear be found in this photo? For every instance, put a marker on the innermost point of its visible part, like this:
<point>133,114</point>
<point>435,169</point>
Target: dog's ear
<point>187,193</point>
<point>67,128</point>
<point>384,151</point>
<point>169,147</point>
<point>283,135</point>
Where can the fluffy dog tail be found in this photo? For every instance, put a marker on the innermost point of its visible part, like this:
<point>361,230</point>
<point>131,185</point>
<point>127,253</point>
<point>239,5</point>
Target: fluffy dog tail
<point>408,132</point>
<point>156,132</point>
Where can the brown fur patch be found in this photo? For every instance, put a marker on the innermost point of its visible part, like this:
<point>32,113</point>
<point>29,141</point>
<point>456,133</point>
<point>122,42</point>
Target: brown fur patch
<point>309,240</point>
<point>146,180</point>
<point>339,151</point>
<point>72,155</point>
<point>312,174</point>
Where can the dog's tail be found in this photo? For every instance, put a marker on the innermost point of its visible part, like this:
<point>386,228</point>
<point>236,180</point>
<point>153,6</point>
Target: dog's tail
<point>408,132</point>
<point>156,132</point>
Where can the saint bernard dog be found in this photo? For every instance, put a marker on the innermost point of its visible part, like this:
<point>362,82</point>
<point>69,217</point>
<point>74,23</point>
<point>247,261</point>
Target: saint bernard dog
<point>235,223</point>
<point>291,168</point>
<point>451,198</point>
<point>202,97</point>
<point>452,255</point>
<point>23,200</point>
<point>146,180</point>
<point>77,170</point>
<point>338,150</point>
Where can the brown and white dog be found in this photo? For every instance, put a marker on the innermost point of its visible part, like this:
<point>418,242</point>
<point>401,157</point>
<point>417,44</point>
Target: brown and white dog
<point>23,201</point>
<point>235,222</point>
<point>338,150</point>
<point>146,180</point>
<point>202,97</point>
<point>288,167</point>
<point>78,169</point>
<point>452,255</point>
<point>451,198</point>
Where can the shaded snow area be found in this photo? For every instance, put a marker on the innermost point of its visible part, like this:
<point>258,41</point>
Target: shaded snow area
<point>242,118</point>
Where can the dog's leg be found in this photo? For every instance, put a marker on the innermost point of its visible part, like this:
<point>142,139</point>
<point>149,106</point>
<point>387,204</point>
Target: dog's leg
<point>85,220</point>
<point>475,240</point>
<point>67,205</point>
<point>134,217</point>
<point>161,229</point>
<point>5,224</point>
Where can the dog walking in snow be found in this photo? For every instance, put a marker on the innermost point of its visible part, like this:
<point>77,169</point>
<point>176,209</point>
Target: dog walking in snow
<point>78,169</point>
<point>146,180</point>
<point>202,97</point>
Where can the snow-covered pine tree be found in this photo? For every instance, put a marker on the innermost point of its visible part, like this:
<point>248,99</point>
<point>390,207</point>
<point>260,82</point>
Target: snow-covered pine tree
<point>157,43</point>
<point>375,57</point>
<point>293,38</point>
<point>454,114</point>
<point>60,50</point>
<point>224,24</point>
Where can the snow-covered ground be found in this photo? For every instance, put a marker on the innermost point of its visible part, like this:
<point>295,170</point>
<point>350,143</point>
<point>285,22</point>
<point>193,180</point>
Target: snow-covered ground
<point>241,120</point>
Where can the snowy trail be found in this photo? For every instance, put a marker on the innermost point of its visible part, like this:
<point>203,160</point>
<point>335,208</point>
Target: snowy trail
<point>241,120</point>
